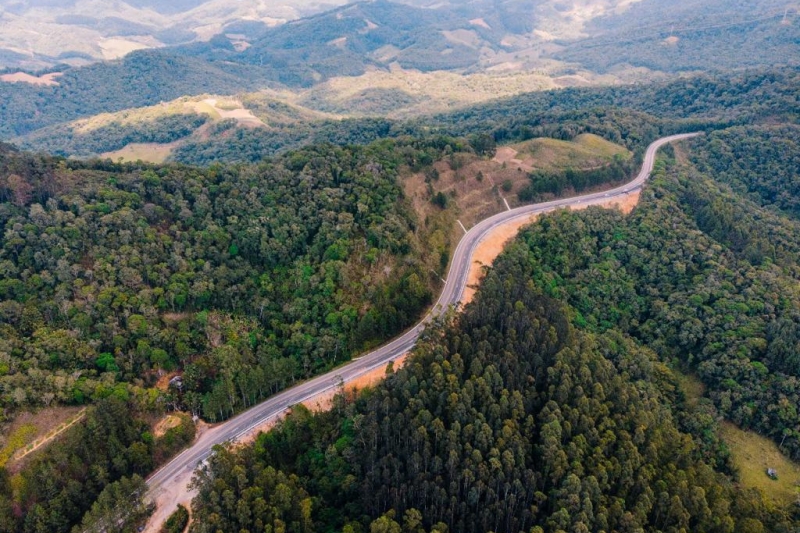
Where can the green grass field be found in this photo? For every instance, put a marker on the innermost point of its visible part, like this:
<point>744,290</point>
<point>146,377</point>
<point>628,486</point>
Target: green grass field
<point>586,151</point>
<point>753,454</point>
<point>150,153</point>
<point>693,388</point>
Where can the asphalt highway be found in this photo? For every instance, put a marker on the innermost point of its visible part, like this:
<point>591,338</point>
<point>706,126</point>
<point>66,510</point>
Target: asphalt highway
<point>172,479</point>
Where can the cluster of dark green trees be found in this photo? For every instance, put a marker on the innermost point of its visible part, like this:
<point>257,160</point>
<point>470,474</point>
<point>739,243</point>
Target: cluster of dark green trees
<point>228,143</point>
<point>705,277</point>
<point>64,140</point>
<point>508,419</point>
<point>551,404</point>
<point>762,163</point>
<point>93,479</point>
<point>246,278</point>
<point>555,183</point>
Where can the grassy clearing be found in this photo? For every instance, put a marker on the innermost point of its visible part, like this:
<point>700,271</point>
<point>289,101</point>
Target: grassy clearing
<point>134,116</point>
<point>599,146</point>
<point>586,151</point>
<point>30,427</point>
<point>208,109</point>
<point>150,153</point>
<point>753,454</point>
<point>692,387</point>
<point>165,424</point>
<point>476,187</point>
<point>18,439</point>
<point>228,105</point>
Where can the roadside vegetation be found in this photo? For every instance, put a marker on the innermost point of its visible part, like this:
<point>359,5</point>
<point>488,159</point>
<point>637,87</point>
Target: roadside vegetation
<point>551,403</point>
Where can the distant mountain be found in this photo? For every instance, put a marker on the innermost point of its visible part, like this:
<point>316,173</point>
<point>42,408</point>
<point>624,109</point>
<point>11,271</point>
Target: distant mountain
<point>351,36</point>
<point>686,35</point>
<point>552,37</point>
<point>38,33</point>
<point>140,79</point>
<point>349,40</point>
<point>564,42</point>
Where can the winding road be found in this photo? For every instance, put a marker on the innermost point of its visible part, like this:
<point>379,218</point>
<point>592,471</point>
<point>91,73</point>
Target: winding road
<point>168,486</point>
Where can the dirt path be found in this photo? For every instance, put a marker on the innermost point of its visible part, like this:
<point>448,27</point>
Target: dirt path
<point>35,445</point>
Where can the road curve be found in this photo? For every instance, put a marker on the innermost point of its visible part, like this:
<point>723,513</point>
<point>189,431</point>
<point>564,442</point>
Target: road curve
<point>174,476</point>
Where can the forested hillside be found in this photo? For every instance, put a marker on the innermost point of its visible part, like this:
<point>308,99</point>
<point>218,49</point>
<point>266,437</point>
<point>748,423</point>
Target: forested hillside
<point>507,419</point>
<point>630,115</point>
<point>71,141</point>
<point>243,279</point>
<point>703,276</point>
<point>246,278</point>
<point>93,477</point>
<point>552,403</point>
<point>709,100</point>
<point>566,42</point>
<point>228,143</point>
<point>689,35</point>
<point>762,163</point>
<point>318,174</point>
<point>140,79</point>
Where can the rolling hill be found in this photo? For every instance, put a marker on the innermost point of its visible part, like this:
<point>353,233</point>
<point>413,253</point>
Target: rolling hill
<point>396,59</point>
<point>40,33</point>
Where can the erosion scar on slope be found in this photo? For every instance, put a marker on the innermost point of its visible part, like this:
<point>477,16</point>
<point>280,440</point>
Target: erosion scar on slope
<point>493,244</point>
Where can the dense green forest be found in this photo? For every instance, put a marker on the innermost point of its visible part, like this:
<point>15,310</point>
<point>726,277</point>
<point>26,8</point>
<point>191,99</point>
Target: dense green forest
<point>761,163</point>
<point>139,79</point>
<point>628,115</point>
<point>703,276</point>
<point>94,477</point>
<point>64,140</point>
<point>36,115</point>
<point>506,418</point>
<point>246,278</point>
<point>227,143</point>
<point>243,278</point>
<point>708,100</point>
<point>551,404</point>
